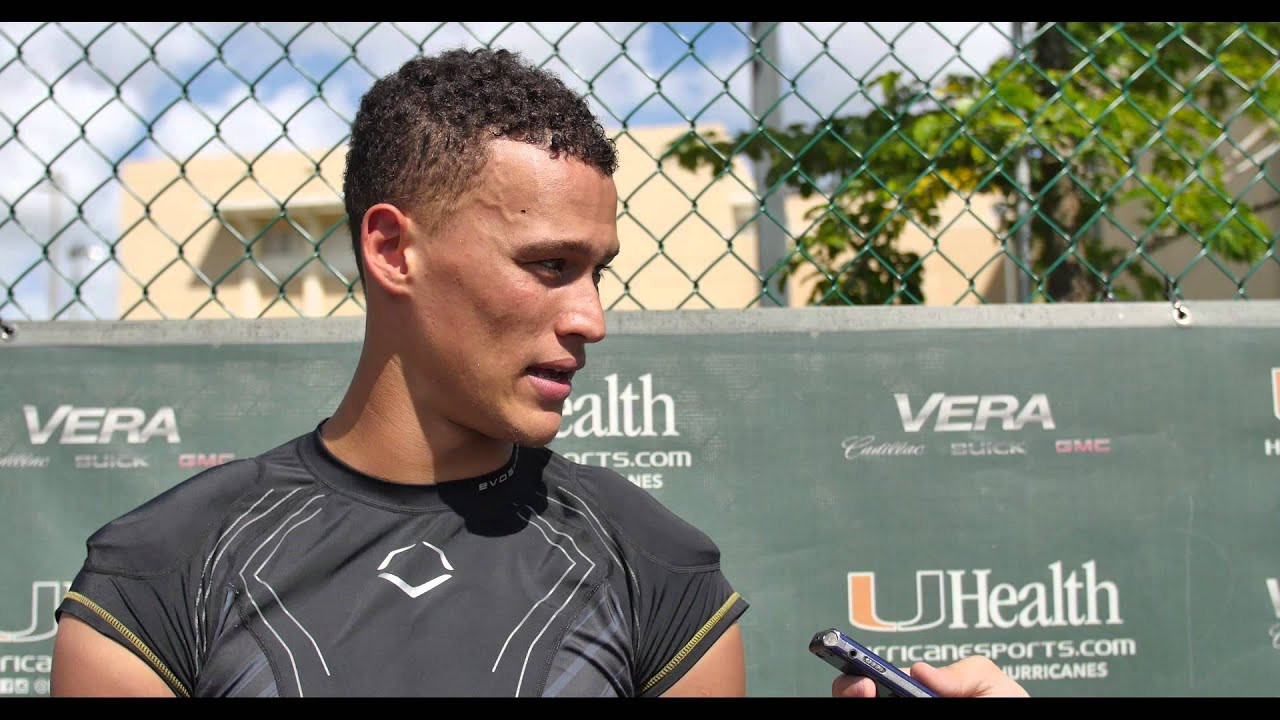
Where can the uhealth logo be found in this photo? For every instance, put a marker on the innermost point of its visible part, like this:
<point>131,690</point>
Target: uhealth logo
<point>620,412</point>
<point>958,599</point>
<point>1275,391</point>
<point>46,595</point>
<point>1271,446</point>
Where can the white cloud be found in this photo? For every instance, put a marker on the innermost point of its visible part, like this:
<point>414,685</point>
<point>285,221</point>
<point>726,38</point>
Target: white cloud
<point>350,32</point>
<point>47,138</point>
<point>177,49</point>
<point>17,32</point>
<point>218,32</point>
<point>310,124</point>
<point>584,50</point>
<point>183,128</point>
<point>697,86</point>
<point>22,244</point>
<point>49,134</point>
<point>116,52</point>
<point>250,53</point>
<point>87,61</point>
<point>860,52</point>
<point>589,61</point>
<point>46,48</point>
<point>249,125</point>
<point>384,48</point>
<point>81,97</point>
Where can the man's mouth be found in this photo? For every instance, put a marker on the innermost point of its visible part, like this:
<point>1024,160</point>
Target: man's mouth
<point>562,376</point>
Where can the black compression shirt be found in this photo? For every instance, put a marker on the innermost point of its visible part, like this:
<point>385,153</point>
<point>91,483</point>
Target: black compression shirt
<point>293,574</point>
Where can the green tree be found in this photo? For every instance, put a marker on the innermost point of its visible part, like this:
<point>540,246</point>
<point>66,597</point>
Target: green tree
<point>1107,114</point>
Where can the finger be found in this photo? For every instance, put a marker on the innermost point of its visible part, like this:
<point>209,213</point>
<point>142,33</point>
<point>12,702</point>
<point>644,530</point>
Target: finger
<point>853,686</point>
<point>974,676</point>
<point>951,681</point>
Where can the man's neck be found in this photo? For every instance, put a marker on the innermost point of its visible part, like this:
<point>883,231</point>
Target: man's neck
<point>378,430</point>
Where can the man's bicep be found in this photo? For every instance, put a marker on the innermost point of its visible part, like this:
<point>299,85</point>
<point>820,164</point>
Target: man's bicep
<point>87,663</point>
<point>720,672</point>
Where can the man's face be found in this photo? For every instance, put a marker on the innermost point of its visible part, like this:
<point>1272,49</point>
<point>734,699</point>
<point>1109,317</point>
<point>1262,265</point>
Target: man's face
<point>508,300</point>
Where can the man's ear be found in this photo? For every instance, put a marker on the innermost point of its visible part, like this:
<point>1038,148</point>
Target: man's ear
<point>385,246</point>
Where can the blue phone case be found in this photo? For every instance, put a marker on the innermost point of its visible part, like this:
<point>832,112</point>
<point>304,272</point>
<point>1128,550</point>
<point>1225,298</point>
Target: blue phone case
<point>852,658</point>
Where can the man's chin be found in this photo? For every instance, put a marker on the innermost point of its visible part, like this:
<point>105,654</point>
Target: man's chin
<point>537,431</point>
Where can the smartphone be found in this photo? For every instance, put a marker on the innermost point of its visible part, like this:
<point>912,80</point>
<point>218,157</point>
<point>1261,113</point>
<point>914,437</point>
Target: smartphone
<point>852,658</point>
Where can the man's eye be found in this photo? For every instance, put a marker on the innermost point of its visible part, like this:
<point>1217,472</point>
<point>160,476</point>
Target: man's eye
<point>556,266</point>
<point>600,272</point>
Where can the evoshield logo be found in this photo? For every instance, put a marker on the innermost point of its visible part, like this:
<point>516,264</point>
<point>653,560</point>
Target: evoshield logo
<point>415,591</point>
<point>100,425</point>
<point>967,413</point>
<point>46,595</point>
<point>966,598</point>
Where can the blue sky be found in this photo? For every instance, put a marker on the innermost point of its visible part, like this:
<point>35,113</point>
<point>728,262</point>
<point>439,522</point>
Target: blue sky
<point>112,101</point>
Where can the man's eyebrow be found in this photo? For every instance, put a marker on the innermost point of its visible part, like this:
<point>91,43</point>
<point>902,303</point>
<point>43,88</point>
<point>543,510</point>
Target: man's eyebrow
<point>566,245</point>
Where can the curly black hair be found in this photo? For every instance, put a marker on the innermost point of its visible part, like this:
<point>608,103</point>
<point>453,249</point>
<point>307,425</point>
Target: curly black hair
<point>422,133</point>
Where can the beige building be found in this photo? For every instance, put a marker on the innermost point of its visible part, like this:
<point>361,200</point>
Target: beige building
<point>676,253</point>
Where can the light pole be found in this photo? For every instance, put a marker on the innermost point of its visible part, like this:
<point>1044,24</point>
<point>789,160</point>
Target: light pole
<point>771,225</point>
<point>81,255</point>
<point>50,250</point>
<point>1022,175</point>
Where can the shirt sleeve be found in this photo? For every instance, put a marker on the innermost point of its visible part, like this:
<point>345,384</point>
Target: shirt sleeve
<point>679,600</point>
<point>147,615</point>
<point>682,601</point>
<point>682,612</point>
<point>140,581</point>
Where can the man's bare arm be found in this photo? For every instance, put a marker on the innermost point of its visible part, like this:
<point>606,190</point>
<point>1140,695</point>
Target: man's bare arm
<point>87,663</point>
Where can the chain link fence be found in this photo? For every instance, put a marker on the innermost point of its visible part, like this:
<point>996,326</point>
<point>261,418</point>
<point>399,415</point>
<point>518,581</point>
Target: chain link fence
<point>154,170</point>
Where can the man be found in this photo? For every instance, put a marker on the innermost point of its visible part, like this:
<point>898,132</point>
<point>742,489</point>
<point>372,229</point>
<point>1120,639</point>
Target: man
<point>422,541</point>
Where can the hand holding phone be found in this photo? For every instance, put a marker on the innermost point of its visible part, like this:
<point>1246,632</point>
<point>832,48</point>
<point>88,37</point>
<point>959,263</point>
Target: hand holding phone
<point>852,658</point>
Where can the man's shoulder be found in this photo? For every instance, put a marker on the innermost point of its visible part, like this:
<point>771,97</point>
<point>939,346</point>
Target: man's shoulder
<point>160,534</point>
<point>635,515</point>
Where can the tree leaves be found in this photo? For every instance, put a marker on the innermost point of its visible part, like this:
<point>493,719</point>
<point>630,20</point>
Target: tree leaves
<point>1108,115</point>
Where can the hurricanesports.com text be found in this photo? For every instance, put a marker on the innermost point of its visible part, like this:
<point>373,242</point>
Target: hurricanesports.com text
<point>641,459</point>
<point>1022,660</point>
